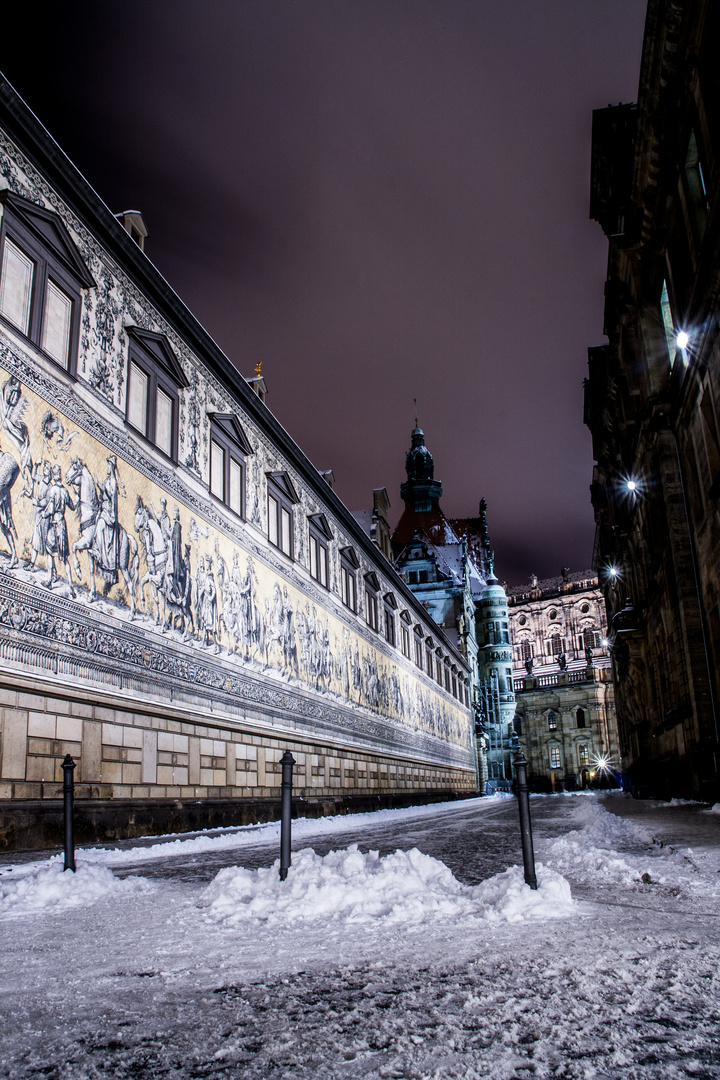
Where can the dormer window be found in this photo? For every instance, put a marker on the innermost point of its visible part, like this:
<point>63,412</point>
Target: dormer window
<point>372,587</point>
<point>320,535</point>
<point>349,566</point>
<point>155,378</point>
<point>281,496</point>
<point>229,446</point>
<point>41,279</point>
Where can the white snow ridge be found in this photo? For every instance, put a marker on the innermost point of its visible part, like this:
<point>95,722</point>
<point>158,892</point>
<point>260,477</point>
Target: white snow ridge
<point>406,886</point>
<point>46,887</point>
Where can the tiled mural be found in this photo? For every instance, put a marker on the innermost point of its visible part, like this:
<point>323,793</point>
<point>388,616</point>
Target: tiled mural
<point>118,568</point>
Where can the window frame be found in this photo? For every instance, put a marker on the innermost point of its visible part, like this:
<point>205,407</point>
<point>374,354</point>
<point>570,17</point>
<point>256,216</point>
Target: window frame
<point>349,566</point>
<point>281,490</point>
<point>406,634</point>
<point>226,432</point>
<point>389,609</point>
<point>41,237</point>
<point>554,752</point>
<point>151,354</point>
<point>319,534</point>
<point>552,720</point>
<point>372,605</point>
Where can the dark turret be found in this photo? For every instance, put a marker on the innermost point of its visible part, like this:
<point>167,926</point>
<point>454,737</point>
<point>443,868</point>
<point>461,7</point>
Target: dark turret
<point>420,492</point>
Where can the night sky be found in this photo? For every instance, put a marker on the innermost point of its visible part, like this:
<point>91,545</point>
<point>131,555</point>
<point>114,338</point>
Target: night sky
<point>381,200</point>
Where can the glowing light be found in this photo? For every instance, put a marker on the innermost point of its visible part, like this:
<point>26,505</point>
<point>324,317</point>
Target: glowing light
<point>683,340</point>
<point>604,643</point>
<point>614,572</point>
<point>602,763</point>
<point>632,485</point>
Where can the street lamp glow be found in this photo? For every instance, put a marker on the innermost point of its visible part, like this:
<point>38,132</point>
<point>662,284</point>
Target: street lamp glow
<point>614,572</point>
<point>604,643</point>
<point>683,340</point>
<point>632,485</point>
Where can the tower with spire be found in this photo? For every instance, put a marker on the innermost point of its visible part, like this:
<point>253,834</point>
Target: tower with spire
<point>448,564</point>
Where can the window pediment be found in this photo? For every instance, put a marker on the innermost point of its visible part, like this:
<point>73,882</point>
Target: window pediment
<point>158,348</point>
<point>390,600</point>
<point>230,426</point>
<point>47,227</point>
<point>283,482</point>
<point>348,553</point>
<point>371,579</point>
<point>321,524</point>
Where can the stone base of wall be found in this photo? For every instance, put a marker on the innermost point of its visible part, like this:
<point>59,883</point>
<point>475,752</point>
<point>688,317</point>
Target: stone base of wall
<point>36,825</point>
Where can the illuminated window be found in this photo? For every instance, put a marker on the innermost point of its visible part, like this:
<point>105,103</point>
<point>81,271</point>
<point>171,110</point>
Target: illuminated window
<point>583,755</point>
<point>552,721</point>
<point>554,757</point>
<point>668,323</point>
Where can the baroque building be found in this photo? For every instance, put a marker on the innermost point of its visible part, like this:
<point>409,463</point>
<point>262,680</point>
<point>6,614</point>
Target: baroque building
<point>182,595</point>
<point>565,707</point>
<point>448,564</point>
<point>653,399</point>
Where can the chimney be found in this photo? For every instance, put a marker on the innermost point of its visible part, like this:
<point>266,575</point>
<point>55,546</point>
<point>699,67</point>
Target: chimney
<point>132,221</point>
<point>328,477</point>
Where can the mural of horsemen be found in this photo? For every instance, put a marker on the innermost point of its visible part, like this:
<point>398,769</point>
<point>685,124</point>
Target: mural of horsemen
<point>70,515</point>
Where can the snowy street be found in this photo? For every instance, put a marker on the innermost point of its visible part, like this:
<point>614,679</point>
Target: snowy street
<point>162,959</point>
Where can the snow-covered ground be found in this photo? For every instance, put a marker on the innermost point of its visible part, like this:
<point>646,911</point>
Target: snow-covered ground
<point>374,959</point>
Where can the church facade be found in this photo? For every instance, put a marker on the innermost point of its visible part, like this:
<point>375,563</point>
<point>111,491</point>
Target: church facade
<point>448,564</point>
<point>182,595</point>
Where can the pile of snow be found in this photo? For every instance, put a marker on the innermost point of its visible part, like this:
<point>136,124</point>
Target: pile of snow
<point>715,809</point>
<point>45,887</point>
<point>590,853</point>
<point>405,887</point>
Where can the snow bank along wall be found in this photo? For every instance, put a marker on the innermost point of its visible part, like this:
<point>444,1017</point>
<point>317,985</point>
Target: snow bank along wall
<point>222,604</point>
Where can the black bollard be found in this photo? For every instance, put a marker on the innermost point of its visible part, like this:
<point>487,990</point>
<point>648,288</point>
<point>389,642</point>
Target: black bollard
<point>525,826</point>
<point>68,766</point>
<point>287,761</point>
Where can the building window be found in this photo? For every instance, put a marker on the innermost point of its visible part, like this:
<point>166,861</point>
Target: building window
<point>438,670</point>
<point>320,535</point>
<point>583,755</point>
<point>405,639</point>
<point>554,757</point>
<point>552,721</point>
<point>429,658</point>
<point>281,497</point>
<point>154,379</point>
<point>41,279</point>
<point>418,649</point>
<point>228,447</point>
<point>448,685</point>
<point>580,717</point>
<point>668,323</point>
<point>372,586</point>
<point>454,685</point>
<point>556,645</point>
<point>348,581</point>
<point>389,607</point>
<point>526,650</point>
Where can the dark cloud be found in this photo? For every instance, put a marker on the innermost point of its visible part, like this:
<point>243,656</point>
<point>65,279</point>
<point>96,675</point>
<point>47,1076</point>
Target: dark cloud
<point>381,200</point>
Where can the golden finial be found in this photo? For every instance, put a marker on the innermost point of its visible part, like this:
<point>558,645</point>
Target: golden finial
<point>258,369</point>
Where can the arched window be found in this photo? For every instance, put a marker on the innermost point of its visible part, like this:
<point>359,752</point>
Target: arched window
<point>556,645</point>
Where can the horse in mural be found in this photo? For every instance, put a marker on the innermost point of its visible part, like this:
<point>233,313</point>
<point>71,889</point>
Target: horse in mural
<point>88,508</point>
<point>172,597</point>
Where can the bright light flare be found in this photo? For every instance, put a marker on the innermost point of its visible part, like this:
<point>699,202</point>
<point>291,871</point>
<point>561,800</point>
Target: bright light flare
<point>683,340</point>
<point>613,572</point>
<point>604,643</point>
<point>632,485</point>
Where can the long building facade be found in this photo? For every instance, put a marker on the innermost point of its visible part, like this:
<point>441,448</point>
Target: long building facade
<point>182,595</point>
<point>653,403</point>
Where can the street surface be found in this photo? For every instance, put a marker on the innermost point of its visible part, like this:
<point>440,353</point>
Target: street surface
<point>144,978</point>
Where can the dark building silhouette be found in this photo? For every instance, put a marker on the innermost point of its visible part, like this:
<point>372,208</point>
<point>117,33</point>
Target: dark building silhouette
<point>652,399</point>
